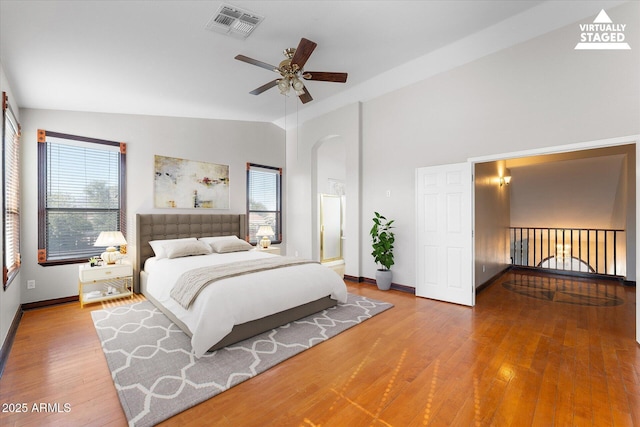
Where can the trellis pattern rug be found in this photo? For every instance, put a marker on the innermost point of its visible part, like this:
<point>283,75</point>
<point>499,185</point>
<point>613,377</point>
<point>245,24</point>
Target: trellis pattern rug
<point>157,376</point>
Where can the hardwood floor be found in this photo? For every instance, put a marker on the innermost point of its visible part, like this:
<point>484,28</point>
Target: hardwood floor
<point>533,351</point>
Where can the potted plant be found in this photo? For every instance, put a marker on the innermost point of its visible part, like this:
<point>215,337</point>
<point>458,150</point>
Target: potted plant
<point>93,261</point>
<point>382,242</point>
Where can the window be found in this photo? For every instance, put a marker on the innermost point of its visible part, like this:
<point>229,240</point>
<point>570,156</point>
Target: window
<point>11,196</point>
<point>264,205</point>
<point>81,192</point>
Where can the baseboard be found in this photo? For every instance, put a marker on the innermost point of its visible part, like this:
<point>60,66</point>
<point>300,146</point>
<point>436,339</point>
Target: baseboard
<point>403,288</point>
<point>492,279</point>
<point>394,286</point>
<point>8,342</point>
<point>49,302</point>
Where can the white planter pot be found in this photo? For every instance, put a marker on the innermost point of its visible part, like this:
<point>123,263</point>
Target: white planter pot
<point>383,279</point>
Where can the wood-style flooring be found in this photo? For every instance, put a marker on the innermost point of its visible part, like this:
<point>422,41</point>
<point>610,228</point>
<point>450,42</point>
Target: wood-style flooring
<point>535,350</point>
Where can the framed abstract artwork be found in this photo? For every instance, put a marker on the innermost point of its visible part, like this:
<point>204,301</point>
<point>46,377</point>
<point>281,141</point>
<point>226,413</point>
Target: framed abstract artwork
<point>181,183</point>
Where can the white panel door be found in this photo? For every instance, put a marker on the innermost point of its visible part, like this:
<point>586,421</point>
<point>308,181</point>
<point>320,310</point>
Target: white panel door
<point>444,249</point>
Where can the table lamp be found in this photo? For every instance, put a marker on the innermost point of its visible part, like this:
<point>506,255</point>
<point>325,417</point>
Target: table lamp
<point>264,231</point>
<point>111,239</point>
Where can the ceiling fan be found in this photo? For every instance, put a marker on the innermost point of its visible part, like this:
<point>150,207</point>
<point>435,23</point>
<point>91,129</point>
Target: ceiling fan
<point>292,71</point>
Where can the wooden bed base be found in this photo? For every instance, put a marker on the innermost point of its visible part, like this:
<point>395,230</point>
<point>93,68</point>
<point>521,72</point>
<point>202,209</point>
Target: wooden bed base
<point>172,226</point>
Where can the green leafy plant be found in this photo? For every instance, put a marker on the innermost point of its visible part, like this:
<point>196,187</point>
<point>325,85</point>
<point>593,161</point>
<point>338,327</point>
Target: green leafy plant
<point>383,239</point>
<point>93,260</point>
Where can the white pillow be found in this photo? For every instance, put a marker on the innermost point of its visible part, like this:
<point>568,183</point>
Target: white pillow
<point>158,246</point>
<point>225,246</point>
<point>186,248</point>
<point>210,240</point>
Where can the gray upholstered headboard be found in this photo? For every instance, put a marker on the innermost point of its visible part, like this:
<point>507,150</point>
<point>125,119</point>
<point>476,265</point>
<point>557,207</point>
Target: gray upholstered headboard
<point>176,226</point>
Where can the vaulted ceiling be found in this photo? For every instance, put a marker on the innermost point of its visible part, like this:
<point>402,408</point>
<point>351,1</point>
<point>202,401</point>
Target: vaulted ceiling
<point>157,57</point>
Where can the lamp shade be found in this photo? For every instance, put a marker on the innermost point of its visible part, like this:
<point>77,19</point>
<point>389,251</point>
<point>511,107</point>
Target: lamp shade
<point>284,84</point>
<point>110,238</point>
<point>265,230</point>
<point>297,84</point>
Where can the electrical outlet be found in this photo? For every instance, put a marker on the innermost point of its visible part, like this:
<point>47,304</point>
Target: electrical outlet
<point>484,269</point>
<point>31,284</point>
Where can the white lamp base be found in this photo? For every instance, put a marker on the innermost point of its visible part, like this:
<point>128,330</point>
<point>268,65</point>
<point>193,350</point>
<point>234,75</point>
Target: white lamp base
<point>110,256</point>
<point>265,243</point>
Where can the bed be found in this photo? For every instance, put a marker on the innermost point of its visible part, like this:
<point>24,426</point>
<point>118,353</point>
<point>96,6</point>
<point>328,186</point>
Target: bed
<point>233,308</point>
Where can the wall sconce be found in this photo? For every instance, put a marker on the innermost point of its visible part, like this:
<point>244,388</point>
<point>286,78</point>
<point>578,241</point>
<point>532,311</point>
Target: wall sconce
<point>505,178</point>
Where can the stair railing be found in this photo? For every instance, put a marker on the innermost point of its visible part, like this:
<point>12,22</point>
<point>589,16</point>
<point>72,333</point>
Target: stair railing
<point>580,250</point>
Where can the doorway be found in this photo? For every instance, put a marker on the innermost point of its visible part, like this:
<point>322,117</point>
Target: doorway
<point>632,238</point>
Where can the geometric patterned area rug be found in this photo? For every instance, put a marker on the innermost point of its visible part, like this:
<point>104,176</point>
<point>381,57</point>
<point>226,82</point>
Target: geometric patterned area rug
<point>157,375</point>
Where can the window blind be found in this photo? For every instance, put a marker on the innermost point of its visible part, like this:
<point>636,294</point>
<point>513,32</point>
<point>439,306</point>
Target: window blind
<point>83,182</point>
<point>264,200</point>
<point>11,199</point>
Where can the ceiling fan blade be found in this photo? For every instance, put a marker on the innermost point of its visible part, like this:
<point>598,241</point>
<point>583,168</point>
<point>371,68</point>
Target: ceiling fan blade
<point>324,76</point>
<point>303,52</point>
<point>264,87</point>
<point>256,62</point>
<point>305,96</point>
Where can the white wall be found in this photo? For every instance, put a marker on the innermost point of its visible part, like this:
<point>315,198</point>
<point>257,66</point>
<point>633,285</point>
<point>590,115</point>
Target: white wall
<point>492,219</point>
<point>330,164</point>
<point>622,198</point>
<point>536,94</point>
<point>577,193</point>
<point>233,143</point>
<point>9,298</point>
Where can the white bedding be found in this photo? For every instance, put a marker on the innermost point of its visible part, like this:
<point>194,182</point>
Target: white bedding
<point>241,299</point>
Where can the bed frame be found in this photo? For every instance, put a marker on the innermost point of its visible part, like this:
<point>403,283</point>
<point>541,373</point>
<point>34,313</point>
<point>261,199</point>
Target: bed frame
<point>176,226</point>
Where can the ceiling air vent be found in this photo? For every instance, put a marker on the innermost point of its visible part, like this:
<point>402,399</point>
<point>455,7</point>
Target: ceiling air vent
<point>233,21</point>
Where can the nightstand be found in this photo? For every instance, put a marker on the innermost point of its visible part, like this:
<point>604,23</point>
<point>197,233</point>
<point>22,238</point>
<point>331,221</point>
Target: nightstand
<point>104,282</point>
<point>270,250</point>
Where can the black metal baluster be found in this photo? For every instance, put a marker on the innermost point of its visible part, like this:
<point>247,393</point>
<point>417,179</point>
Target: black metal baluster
<point>589,247</point>
<point>597,270</point>
<point>580,248</point>
<point>571,253</point>
<point>615,246</point>
<point>605,251</point>
<point>521,248</point>
<point>549,244</point>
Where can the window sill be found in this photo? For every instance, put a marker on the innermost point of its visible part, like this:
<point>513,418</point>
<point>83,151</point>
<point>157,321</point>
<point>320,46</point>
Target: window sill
<point>50,263</point>
<point>10,276</point>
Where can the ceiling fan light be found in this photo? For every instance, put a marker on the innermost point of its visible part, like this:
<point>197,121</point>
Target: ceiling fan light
<point>297,84</point>
<point>284,84</point>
